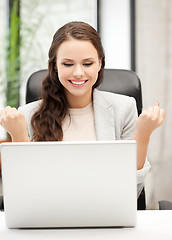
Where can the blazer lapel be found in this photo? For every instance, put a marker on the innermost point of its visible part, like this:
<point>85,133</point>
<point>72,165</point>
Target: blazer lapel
<point>104,117</point>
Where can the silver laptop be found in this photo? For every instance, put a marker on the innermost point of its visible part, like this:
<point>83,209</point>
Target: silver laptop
<point>69,184</point>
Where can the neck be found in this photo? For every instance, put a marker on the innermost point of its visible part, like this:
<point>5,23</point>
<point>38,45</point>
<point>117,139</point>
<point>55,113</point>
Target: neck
<point>79,101</point>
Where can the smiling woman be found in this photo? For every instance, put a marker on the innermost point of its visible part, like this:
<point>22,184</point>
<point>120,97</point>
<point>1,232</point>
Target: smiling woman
<point>72,46</point>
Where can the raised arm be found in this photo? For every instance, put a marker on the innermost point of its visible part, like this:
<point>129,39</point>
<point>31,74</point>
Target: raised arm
<point>147,122</point>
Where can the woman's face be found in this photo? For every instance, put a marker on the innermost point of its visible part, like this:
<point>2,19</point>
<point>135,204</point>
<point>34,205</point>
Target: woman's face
<point>77,64</point>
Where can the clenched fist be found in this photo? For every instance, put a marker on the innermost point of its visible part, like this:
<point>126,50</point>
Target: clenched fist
<point>15,124</point>
<point>148,121</point>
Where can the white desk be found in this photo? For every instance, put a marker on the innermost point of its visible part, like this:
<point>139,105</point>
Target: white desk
<point>150,225</point>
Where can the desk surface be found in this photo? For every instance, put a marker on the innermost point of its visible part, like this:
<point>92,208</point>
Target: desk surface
<point>153,224</point>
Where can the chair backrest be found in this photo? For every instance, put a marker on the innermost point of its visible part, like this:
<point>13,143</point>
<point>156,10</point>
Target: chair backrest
<point>115,80</point>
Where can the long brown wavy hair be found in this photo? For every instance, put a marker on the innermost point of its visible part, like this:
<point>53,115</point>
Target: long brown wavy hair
<point>47,120</point>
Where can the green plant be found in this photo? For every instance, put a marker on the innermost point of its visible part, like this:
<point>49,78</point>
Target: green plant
<point>20,36</point>
<point>12,90</point>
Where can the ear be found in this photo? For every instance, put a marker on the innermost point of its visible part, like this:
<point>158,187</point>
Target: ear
<point>100,64</point>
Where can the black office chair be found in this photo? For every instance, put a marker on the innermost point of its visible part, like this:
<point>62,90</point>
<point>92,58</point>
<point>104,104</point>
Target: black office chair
<point>117,81</point>
<point>165,205</point>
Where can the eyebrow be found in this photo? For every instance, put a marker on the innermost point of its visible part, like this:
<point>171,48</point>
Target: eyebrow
<point>86,59</point>
<point>68,59</point>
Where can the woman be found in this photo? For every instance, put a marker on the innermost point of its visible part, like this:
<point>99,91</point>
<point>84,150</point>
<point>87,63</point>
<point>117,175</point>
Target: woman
<point>72,109</point>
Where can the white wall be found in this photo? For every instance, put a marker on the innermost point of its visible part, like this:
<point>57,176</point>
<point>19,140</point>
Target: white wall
<point>115,32</point>
<point>154,67</point>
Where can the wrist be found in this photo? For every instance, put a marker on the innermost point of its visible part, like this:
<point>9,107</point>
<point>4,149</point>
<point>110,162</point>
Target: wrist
<point>24,138</point>
<point>142,139</point>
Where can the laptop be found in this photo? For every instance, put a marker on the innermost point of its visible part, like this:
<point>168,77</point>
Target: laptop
<point>69,184</point>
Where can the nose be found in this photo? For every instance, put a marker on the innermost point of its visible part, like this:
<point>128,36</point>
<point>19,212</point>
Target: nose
<point>78,71</point>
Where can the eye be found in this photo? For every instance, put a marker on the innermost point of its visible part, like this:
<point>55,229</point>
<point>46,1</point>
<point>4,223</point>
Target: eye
<point>88,64</point>
<point>68,64</point>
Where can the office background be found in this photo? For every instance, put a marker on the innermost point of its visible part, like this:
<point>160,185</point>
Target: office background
<point>147,50</point>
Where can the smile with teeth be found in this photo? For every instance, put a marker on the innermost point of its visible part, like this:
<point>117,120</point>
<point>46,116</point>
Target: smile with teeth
<point>78,82</point>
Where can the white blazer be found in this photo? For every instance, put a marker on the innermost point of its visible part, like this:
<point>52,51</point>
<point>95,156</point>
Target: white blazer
<point>115,117</point>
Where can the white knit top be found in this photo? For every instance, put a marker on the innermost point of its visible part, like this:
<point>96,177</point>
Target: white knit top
<point>79,124</point>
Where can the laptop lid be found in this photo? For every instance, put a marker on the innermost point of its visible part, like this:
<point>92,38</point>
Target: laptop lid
<point>69,184</point>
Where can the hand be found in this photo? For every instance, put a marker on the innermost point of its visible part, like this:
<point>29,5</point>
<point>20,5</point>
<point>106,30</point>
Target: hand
<point>15,124</point>
<point>148,121</point>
